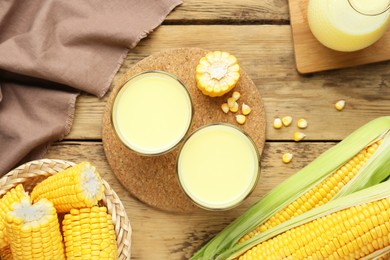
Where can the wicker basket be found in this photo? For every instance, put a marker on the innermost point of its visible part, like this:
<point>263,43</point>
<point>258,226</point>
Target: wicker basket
<point>32,173</point>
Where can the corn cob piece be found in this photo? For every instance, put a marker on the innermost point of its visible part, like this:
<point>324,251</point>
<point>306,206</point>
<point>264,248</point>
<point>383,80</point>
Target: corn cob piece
<point>374,170</point>
<point>217,73</point>
<point>33,231</point>
<point>12,196</point>
<point>89,234</point>
<point>321,193</point>
<point>76,187</point>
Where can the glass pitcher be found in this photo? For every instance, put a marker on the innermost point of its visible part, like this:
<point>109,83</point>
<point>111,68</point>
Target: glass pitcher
<point>348,25</point>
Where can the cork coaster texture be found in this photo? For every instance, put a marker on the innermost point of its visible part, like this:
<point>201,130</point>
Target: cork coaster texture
<point>152,179</point>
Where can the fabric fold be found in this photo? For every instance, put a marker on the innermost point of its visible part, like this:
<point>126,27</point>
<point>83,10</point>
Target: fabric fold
<point>80,44</point>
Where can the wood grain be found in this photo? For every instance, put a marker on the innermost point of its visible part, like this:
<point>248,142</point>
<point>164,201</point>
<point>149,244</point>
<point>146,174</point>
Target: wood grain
<point>161,235</point>
<point>312,56</point>
<point>229,11</point>
<point>266,54</point>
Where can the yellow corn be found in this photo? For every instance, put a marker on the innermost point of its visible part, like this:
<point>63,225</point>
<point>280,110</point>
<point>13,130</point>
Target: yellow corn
<point>217,73</point>
<point>287,120</point>
<point>302,123</point>
<point>319,194</point>
<point>287,157</point>
<point>89,234</point>
<point>231,102</point>
<point>225,108</point>
<point>245,109</point>
<point>236,95</point>
<point>75,187</point>
<point>234,108</point>
<point>33,231</point>
<point>351,233</point>
<point>12,196</point>
<point>241,119</point>
<point>298,136</point>
<point>277,123</point>
<point>340,105</point>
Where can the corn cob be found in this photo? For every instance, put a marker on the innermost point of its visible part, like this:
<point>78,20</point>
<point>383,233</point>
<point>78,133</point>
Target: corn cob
<point>350,233</point>
<point>321,193</point>
<point>356,226</point>
<point>12,196</point>
<point>373,136</point>
<point>217,73</point>
<point>89,234</point>
<point>76,187</point>
<point>33,231</point>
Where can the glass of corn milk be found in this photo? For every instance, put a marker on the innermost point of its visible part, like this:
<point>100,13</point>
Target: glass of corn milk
<point>218,166</point>
<point>348,25</point>
<point>152,112</point>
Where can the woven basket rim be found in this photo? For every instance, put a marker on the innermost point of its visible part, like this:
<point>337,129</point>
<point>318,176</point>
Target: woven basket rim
<point>47,167</point>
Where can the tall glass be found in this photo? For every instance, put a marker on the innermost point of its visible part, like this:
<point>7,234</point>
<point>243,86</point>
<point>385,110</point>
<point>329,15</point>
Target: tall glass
<point>348,25</point>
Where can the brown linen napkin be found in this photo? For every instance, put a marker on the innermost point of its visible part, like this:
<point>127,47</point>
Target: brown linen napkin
<point>46,45</point>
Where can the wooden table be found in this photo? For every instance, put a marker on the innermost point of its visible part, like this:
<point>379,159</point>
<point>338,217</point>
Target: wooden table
<point>259,35</point>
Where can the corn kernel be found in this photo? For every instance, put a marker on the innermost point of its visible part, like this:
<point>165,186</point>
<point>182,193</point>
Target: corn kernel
<point>302,123</point>
<point>234,108</point>
<point>245,109</point>
<point>277,123</point>
<point>240,119</point>
<point>298,136</point>
<point>231,101</point>
<point>340,105</point>
<point>225,108</point>
<point>287,157</point>
<point>236,95</point>
<point>287,120</point>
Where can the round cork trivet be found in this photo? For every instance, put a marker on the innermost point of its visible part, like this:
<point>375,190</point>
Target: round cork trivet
<point>152,179</point>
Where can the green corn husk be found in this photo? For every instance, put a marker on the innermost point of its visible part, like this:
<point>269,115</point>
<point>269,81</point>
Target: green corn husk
<point>376,169</point>
<point>370,194</point>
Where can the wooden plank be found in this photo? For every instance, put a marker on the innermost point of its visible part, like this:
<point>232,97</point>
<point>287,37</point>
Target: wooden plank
<point>176,236</point>
<point>228,11</point>
<point>266,54</point>
<point>312,56</point>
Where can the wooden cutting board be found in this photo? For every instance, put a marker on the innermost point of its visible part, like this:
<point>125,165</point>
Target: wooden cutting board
<point>312,56</point>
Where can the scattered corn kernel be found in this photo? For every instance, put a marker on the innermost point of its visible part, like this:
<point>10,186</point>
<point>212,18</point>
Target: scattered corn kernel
<point>231,102</point>
<point>287,157</point>
<point>302,123</point>
<point>225,108</point>
<point>287,120</point>
<point>340,105</point>
<point>236,95</point>
<point>277,123</point>
<point>245,109</point>
<point>240,119</point>
<point>234,108</point>
<point>298,136</point>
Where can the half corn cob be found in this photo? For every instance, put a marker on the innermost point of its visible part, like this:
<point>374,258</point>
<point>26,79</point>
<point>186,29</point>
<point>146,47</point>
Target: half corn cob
<point>356,226</point>
<point>330,176</point>
<point>76,187</point>
<point>12,196</point>
<point>89,234</point>
<point>33,231</point>
<point>217,73</point>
